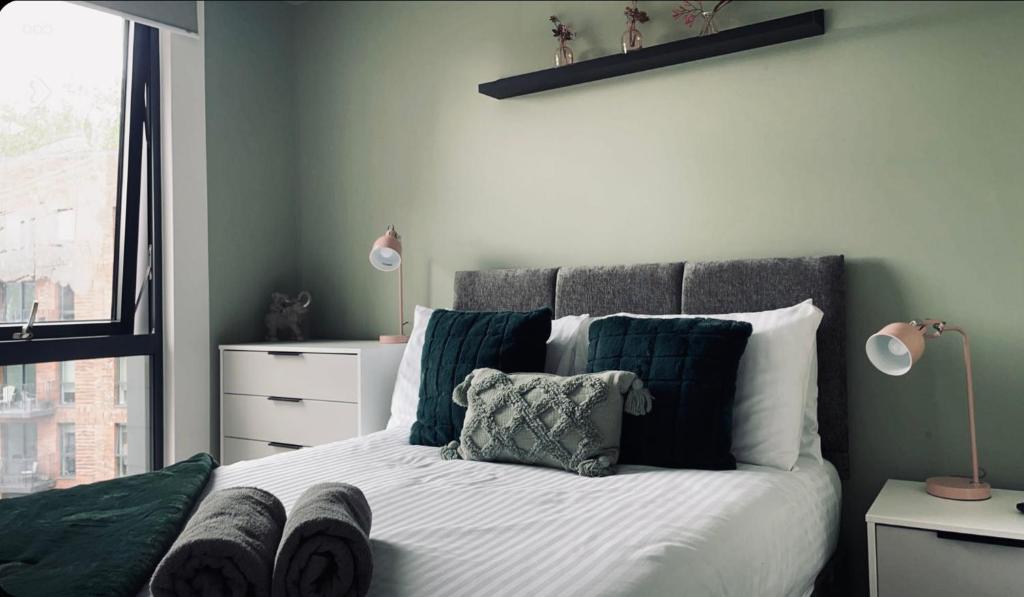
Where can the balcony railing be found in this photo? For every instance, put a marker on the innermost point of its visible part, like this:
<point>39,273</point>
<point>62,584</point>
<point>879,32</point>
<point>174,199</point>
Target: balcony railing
<point>23,475</point>
<point>22,402</point>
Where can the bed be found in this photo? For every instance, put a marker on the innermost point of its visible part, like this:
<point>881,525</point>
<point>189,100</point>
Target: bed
<point>473,528</point>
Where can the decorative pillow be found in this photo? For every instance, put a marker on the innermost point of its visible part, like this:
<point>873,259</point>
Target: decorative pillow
<point>406,394</point>
<point>690,367</point>
<point>773,389</point>
<point>456,343</point>
<point>572,423</point>
<point>561,352</point>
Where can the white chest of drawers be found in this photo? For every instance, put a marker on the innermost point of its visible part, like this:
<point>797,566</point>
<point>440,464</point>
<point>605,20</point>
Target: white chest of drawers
<point>920,545</point>
<point>289,395</point>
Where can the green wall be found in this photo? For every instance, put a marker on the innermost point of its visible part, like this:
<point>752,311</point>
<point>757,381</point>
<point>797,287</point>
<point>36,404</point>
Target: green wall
<point>895,139</point>
<point>250,170</point>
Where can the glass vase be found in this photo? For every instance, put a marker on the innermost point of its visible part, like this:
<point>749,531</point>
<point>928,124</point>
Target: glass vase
<point>563,55</point>
<point>632,40</point>
<point>710,27</point>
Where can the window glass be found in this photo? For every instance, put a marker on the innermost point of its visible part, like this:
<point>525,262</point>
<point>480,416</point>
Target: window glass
<point>18,296</point>
<point>19,468</point>
<point>67,302</point>
<point>19,442</point>
<point>121,449</point>
<point>17,384</point>
<point>60,127</point>
<point>67,382</point>
<point>61,424</point>
<point>121,389</point>
<point>66,437</point>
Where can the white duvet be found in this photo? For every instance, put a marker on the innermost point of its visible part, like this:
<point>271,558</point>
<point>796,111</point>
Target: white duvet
<point>481,529</point>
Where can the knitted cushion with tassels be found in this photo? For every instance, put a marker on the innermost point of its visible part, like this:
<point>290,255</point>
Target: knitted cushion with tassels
<point>572,423</point>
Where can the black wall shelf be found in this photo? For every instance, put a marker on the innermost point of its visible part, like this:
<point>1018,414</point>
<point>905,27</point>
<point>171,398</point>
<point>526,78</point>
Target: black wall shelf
<point>748,37</point>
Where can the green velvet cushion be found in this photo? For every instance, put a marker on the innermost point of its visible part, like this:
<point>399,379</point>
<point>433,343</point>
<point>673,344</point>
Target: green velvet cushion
<point>456,343</point>
<point>572,423</point>
<point>98,539</point>
<point>689,365</point>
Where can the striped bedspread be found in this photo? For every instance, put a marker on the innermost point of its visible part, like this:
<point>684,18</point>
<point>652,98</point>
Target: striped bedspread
<point>482,529</point>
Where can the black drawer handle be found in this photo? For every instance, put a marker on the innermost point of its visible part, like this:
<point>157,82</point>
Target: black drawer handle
<point>283,399</point>
<point>283,353</point>
<point>284,445</point>
<point>1003,541</point>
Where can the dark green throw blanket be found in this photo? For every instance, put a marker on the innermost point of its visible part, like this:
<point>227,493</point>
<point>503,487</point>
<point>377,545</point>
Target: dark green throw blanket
<point>99,539</point>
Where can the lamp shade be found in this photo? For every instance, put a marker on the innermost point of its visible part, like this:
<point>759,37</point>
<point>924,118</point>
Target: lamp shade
<point>895,348</point>
<point>386,252</point>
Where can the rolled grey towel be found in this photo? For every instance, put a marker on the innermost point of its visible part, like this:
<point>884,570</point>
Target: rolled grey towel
<point>227,547</point>
<point>325,549</point>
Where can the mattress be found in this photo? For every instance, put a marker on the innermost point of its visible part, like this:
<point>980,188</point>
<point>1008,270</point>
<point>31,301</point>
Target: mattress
<point>472,528</point>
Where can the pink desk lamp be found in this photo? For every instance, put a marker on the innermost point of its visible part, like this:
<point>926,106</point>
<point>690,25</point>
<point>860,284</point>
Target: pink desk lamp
<point>894,350</point>
<point>386,255</point>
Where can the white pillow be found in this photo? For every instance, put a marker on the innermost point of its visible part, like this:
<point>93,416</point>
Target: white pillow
<point>810,444</point>
<point>562,344</point>
<point>772,384</point>
<point>561,351</point>
<point>406,395</point>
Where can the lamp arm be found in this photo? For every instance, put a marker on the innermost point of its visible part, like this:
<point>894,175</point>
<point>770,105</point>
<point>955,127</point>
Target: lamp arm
<point>970,397</point>
<point>929,328</point>
<point>401,303</point>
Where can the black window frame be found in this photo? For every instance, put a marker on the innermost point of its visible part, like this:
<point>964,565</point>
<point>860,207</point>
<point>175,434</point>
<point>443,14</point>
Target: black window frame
<point>139,151</point>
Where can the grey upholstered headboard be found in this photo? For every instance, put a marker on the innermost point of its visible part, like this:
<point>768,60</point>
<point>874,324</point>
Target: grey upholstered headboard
<point>706,287</point>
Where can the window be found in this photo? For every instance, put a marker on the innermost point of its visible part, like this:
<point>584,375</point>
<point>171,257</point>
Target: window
<point>80,223</point>
<point>67,382</point>
<point>121,386</point>
<point>67,449</point>
<point>61,105</point>
<point>60,460</point>
<point>120,449</point>
<point>66,302</point>
<point>19,445</point>
<point>79,145</point>
<point>23,379</point>
<point>65,225</point>
<point>18,298</point>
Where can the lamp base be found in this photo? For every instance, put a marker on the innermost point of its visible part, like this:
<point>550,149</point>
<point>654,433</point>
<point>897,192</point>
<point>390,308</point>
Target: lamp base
<point>958,488</point>
<point>394,339</point>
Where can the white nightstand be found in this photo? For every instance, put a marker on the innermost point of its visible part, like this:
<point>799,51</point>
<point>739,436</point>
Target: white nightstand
<point>283,396</point>
<point>923,545</point>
